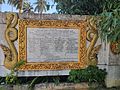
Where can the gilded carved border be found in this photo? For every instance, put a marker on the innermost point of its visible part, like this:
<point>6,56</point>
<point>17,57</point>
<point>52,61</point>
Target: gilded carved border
<point>23,24</point>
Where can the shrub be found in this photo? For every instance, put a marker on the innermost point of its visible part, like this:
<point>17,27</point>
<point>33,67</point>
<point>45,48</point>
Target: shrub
<point>89,74</point>
<point>12,78</point>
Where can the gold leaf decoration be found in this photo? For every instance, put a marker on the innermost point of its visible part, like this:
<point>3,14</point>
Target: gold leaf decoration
<point>11,35</point>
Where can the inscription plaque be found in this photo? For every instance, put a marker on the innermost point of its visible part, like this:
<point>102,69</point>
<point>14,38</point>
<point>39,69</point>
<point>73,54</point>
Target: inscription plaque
<point>52,44</point>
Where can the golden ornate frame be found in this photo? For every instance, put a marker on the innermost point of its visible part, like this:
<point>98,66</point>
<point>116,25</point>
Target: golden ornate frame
<point>22,52</point>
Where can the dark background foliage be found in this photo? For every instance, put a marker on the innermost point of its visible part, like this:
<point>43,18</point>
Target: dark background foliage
<point>85,7</point>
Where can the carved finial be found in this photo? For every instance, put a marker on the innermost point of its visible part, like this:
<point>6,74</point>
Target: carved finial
<point>92,37</point>
<point>10,52</point>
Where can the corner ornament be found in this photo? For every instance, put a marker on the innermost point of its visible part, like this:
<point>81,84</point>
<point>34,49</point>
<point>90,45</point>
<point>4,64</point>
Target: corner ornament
<point>114,46</point>
<point>11,36</point>
<point>92,37</point>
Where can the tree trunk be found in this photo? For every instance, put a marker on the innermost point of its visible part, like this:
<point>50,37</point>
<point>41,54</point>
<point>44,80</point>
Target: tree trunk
<point>0,7</point>
<point>40,15</point>
<point>12,8</point>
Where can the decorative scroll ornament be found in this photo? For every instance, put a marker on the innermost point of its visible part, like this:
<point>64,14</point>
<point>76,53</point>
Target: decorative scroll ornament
<point>11,35</point>
<point>114,46</point>
<point>92,37</point>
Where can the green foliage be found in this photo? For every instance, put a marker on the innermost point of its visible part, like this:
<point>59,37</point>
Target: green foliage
<point>15,3</point>
<point>18,64</point>
<point>27,8</point>
<point>2,80</point>
<point>56,80</point>
<point>109,24</point>
<point>80,7</point>
<point>85,7</point>
<point>40,5</point>
<point>89,74</point>
<point>12,77</point>
<point>38,79</point>
<point>32,84</point>
<point>2,1</point>
<point>110,5</point>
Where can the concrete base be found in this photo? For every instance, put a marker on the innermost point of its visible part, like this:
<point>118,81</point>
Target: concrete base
<point>113,83</point>
<point>113,77</point>
<point>48,86</point>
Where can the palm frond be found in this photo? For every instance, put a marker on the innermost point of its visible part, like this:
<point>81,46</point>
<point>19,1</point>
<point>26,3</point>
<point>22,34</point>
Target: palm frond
<point>41,5</point>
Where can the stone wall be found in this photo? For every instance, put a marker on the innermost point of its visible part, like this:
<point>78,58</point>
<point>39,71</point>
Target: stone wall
<point>105,58</point>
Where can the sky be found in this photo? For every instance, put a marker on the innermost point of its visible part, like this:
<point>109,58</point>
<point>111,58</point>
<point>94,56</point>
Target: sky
<point>6,7</point>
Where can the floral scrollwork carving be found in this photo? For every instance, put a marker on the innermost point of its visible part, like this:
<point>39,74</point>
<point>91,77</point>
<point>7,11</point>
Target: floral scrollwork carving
<point>11,35</point>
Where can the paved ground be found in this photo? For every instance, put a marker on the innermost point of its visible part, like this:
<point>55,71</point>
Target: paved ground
<point>114,88</point>
<point>39,87</point>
